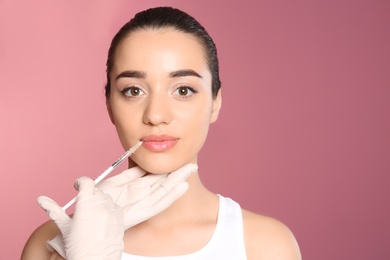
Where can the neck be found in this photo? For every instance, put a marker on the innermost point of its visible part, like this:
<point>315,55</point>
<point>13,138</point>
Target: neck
<point>197,202</point>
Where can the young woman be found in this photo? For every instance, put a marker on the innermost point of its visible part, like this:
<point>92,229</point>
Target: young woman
<point>162,87</point>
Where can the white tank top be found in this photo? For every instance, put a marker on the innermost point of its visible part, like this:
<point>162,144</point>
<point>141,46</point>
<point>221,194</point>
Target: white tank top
<point>227,241</point>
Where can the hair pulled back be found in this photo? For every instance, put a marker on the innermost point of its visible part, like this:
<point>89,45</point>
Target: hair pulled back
<point>165,17</point>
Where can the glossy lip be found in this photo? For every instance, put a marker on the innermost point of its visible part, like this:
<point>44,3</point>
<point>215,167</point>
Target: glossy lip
<point>159,143</point>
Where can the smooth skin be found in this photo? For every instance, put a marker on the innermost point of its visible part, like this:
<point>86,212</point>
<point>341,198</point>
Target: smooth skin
<point>161,84</point>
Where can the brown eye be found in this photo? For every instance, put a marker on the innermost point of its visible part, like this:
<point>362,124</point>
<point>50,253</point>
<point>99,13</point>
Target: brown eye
<point>185,91</point>
<point>132,92</point>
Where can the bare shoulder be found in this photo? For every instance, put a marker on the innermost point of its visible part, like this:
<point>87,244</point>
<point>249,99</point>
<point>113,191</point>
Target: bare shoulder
<point>35,247</point>
<point>268,238</point>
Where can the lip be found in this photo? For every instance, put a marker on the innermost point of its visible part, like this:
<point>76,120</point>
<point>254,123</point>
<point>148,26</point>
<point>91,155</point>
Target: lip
<point>159,143</point>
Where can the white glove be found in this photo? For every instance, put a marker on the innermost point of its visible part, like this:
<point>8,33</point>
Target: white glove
<point>140,197</point>
<point>96,229</point>
<point>143,198</point>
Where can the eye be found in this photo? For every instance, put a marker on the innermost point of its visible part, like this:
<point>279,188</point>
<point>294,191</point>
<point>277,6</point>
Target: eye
<point>132,91</point>
<point>185,91</point>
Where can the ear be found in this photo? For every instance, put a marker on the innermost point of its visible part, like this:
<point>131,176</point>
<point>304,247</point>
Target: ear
<point>217,103</point>
<point>109,110</point>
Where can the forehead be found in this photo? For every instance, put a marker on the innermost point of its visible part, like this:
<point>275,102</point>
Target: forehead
<point>163,49</point>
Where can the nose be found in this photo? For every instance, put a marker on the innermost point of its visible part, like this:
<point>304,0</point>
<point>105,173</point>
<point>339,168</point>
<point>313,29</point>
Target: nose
<point>158,111</point>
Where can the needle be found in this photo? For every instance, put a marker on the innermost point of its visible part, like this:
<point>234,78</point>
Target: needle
<point>109,170</point>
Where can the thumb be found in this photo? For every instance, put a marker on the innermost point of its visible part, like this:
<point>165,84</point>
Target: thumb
<point>54,211</point>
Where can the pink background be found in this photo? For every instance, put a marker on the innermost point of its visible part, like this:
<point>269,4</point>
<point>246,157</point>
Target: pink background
<point>303,136</point>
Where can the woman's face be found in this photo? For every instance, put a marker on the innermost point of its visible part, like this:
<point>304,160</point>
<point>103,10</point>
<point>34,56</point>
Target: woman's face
<point>161,91</point>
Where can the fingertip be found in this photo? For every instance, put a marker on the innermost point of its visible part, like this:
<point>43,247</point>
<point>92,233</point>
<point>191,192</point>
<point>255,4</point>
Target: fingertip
<point>54,211</point>
<point>42,201</point>
<point>182,188</point>
<point>166,197</point>
<point>184,172</point>
<point>86,186</point>
<point>195,167</point>
<point>84,181</point>
<point>77,182</point>
<point>191,167</point>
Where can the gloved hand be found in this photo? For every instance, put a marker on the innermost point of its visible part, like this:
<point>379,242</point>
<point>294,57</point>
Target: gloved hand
<point>140,197</point>
<point>144,197</point>
<point>96,229</point>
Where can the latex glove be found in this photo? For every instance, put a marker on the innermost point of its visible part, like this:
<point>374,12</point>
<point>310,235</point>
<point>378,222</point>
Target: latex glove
<point>96,229</point>
<point>141,196</point>
<point>144,197</point>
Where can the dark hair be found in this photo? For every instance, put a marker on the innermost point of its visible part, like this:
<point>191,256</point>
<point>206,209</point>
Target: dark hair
<point>162,17</point>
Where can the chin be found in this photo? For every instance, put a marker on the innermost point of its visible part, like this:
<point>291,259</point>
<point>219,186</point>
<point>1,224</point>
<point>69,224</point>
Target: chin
<point>159,168</point>
<point>160,164</point>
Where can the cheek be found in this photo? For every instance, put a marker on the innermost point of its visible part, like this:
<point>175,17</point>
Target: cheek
<point>126,124</point>
<point>196,124</point>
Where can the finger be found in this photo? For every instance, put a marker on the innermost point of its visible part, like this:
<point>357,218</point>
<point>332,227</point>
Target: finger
<point>54,211</point>
<point>186,169</point>
<point>134,173</point>
<point>150,180</point>
<point>161,201</point>
<point>124,177</point>
<point>100,195</point>
<point>158,182</point>
<point>171,196</point>
<point>179,175</point>
<point>161,192</point>
<point>56,244</point>
<point>86,187</point>
<point>104,198</point>
<point>140,188</point>
<point>134,191</point>
<point>173,179</point>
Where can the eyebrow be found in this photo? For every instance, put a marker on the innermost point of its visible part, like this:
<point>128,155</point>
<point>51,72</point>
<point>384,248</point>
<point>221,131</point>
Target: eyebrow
<point>184,73</point>
<point>142,74</point>
<point>131,74</point>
